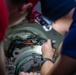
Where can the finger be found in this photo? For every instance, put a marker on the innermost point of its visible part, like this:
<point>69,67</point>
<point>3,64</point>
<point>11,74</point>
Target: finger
<point>21,73</point>
<point>31,73</point>
<point>49,41</point>
<point>35,73</point>
<point>43,44</point>
<point>26,6</point>
<point>27,74</point>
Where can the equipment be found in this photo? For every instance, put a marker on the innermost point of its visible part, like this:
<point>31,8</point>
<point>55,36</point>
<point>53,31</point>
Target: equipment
<point>23,44</point>
<point>44,22</point>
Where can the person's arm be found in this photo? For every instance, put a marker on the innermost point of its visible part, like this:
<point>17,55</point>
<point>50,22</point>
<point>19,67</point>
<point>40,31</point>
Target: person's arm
<point>3,28</point>
<point>47,52</point>
<point>63,66</point>
<point>2,62</point>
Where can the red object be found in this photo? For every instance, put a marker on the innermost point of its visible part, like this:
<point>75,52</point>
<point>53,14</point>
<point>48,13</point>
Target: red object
<point>3,19</point>
<point>34,2</point>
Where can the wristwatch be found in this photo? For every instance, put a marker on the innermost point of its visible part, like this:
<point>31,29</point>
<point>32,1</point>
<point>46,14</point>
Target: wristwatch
<point>46,59</point>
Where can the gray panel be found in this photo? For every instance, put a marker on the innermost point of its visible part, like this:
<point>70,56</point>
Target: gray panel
<point>53,35</point>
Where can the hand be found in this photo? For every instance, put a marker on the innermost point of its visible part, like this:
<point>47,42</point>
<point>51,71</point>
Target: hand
<point>31,73</point>
<point>25,7</point>
<point>18,13</point>
<point>47,50</point>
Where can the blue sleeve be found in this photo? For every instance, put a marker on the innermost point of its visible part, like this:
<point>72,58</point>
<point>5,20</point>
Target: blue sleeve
<point>69,43</point>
